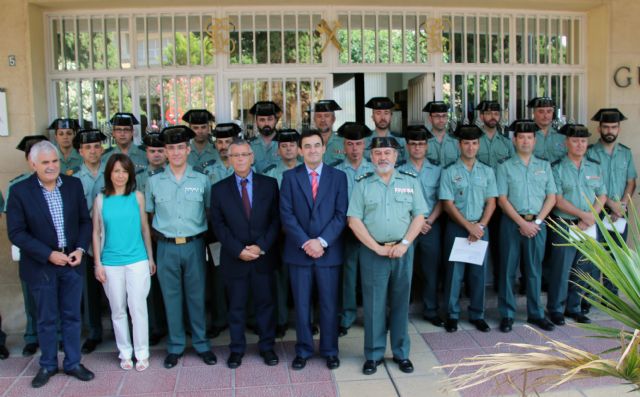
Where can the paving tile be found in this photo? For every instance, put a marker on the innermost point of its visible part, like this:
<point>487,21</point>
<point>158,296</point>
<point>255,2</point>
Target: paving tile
<point>455,356</point>
<point>104,384</point>
<point>597,345</point>
<point>204,378</point>
<point>421,386</point>
<point>315,371</point>
<point>102,361</point>
<point>369,388</point>
<point>613,390</point>
<point>13,366</point>
<point>264,391</point>
<point>320,389</point>
<point>22,387</point>
<point>531,337</point>
<point>5,383</point>
<point>490,339</point>
<point>261,375</point>
<point>450,340</point>
<point>149,381</point>
<point>418,344</point>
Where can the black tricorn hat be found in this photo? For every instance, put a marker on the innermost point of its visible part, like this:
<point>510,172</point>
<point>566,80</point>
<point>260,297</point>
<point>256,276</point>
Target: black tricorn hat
<point>541,102</point>
<point>468,132</point>
<point>28,141</point>
<point>227,130</point>
<point>523,125</point>
<point>124,119</point>
<point>88,136</point>
<point>198,116</point>
<point>489,106</point>
<point>380,102</point>
<point>265,108</point>
<point>64,123</point>
<point>287,135</point>
<point>417,132</point>
<point>177,134</point>
<point>153,139</point>
<point>354,131</point>
<point>609,115</point>
<point>436,107</point>
<point>575,131</point>
<point>326,105</point>
<point>384,142</point>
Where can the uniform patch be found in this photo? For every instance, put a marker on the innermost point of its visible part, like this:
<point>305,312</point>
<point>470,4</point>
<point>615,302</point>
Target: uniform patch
<point>593,177</point>
<point>403,190</point>
<point>193,190</point>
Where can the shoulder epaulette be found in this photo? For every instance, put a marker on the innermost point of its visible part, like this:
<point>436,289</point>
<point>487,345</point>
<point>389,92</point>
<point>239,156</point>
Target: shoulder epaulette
<point>72,171</point>
<point>503,160</point>
<point>140,171</point>
<point>624,146</point>
<point>199,171</point>
<point>449,165</point>
<point>335,163</point>
<point>268,168</point>
<point>410,173</point>
<point>593,160</point>
<point>363,176</point>
<point>401,163</point>
<point>156,171</point>
<point>207,163</point>
<point>539,158</point>
<point>590,146</point>
<point>556,162</point>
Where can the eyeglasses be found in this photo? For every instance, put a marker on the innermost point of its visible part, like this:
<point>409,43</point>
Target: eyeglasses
<point>241,155</point>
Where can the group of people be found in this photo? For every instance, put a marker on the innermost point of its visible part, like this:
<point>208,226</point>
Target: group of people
<point>301,214</point>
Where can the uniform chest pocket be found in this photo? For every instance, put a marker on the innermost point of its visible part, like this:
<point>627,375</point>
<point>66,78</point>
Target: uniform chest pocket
<point>371,202</point>
<point>479,182</point>
<point>193,196</point>
<point>164,198</point>
<point>405,198</point>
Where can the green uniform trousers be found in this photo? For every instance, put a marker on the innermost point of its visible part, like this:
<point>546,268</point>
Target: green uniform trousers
<point>428,250</point>
<point>350,280</point>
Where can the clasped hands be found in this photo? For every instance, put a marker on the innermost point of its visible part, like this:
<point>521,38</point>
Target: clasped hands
<point>313,248</point>
<point>250,253</point>
<point>392,251</point>
<point>61,259</point>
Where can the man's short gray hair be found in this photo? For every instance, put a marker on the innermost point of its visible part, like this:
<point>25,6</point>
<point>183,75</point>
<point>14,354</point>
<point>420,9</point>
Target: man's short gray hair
<point>42,147</point>
<point>240,142</point>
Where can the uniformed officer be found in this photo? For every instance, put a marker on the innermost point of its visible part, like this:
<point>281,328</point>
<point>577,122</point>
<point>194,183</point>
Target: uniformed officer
<point>526,190</point>
<point>122,131</point>
<point>550,145</point>
<point>154,148</point>
<point>202,150</point>
<point>443,147</point>
<point>381,112</point>
<point>468,190</point>
<point>324,117</point>
<point>576,176</point>
<point>91,173</point>
<point>219,169</point>
<point>63,132</point>
<point>265,150</point>
<point>177,198</point>
<point>354,166</point>
<point>428,243</point>
<point>386,214</point>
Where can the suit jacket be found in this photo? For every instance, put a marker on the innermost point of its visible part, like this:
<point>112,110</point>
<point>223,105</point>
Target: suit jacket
<point>31,228</point>
<point>235,231</point>
<point>304,218</point>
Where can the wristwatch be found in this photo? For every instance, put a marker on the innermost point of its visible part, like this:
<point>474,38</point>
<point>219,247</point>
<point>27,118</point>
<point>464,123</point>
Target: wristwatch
<point>404,242</point>
<point>538,221</point>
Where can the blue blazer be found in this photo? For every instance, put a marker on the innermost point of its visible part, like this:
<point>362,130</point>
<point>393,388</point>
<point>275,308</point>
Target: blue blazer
<point>235,231</point>
<point>31,229</point>
<point>303,218</point>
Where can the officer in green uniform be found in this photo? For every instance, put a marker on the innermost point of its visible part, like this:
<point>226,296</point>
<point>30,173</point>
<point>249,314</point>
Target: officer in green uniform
<point>324,117</point>
<point>443,147</point>
<point>576,176</point>
<point>63,132</point>
<point>91,173</point>
<point>265,150</point>
<point>122,131</point>
<point>381,112</point>
<point>154,148</point>
<point>177,198</point>
<point>288,158</point>
<point>202,150</point>
<point>217,170</point>
<point>468,190</point>
<point>354,166</point>
<point>31,328</point>
<point>429,241</point>
<point>526,194</point>
<point>386,214</point>
<point>550,145</point>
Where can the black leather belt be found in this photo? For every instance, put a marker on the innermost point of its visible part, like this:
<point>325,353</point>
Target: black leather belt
<point>179,240</point>
<point>389,243</point>
<point>64,250</point>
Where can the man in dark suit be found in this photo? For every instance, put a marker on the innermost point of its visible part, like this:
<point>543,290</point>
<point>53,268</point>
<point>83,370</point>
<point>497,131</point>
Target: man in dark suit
<point>244,215</point>
<point>313,207</point>
<point>47,218</point>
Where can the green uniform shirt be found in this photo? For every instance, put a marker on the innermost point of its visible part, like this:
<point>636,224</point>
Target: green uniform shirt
<point>552,147</point>
<point>387,210</point>
<point>12,182</point>
<point>445,152</point>
<point>494,150</point>
<point>264,155</point>
<point>137,155</point>
<point>335,149</point>
<point>71,164</point>
<point>526,187</point>
<point>275,170</point>
<point>179,206</point>
<point>198,158</point>
<point>402,152</point>
<point>89,183</point>
<point>429,177</point>
<point>215,170</point>
<point>143,175</point>
<point>573,184</point>
<point>468,189</point>
<point>617,168</point>
<point>354,173</point>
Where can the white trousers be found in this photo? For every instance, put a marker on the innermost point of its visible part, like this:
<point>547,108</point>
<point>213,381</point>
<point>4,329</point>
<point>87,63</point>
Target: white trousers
<point>129,285</point>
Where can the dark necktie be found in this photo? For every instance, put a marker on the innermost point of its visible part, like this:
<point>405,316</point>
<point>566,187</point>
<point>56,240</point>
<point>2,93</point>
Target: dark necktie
<point>245,198</point>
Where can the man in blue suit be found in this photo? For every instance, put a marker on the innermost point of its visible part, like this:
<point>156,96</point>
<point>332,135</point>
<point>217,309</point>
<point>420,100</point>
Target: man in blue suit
<point>47,218</point>
<point>313,208</point>
<point>244,216</point>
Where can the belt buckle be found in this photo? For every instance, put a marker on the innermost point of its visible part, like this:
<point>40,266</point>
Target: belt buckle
<point>389,244</point>
<point>528,218</point>
<point>181,240</point>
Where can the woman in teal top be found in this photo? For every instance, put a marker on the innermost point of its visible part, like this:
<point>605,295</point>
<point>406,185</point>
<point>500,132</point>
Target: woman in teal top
<point>123,258</point>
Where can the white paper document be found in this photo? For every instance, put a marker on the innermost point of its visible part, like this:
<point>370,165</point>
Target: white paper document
<point>215,252</point>
<point>591,231</point>
<point>619,225</point>
<point>467,252</point>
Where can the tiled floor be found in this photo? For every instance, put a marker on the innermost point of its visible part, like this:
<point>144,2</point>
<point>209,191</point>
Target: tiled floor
<point>430,347</point>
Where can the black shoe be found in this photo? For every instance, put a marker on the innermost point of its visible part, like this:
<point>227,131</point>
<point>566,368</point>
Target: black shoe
<point>480,325</point>
<point>208,357</point>
<point>281,330</point>
<point>435,320</point>
<point>81,373</point>
<point>506,324</point>
<point>30,349</point>
<point>342,331</point>
<point>42,377</point>
<point>171,360</point>
<point>579,318</point>
<point>234,360</point>
<point>270,357</point>
<point>370,366</point>
<point>90,345</point>
<point>4,353</point>
<point>333,362</point>
<point>315,330</point>
<point>557,318</point>
<point>542,323</point>
<point>405,365</point>
<point>451,325</point>
<point>298,363</point>
<point>215,331</point>
<point>155,338</point>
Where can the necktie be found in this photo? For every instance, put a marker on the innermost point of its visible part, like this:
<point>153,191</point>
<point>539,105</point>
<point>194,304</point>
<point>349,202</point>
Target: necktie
<point>314,184</point>
<point>245,198</point>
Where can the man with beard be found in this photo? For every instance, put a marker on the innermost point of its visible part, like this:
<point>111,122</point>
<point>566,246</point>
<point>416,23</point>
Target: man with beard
<point>443,148</point>
<point>386,214</point>
<point>550,145</point>
<point>122,131</point>
<point>219,169</point>
<point>202,149</point>
<point>64,131</point>
<point>265,150</point>
<point>323,117</point>
<point>381,113</point>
